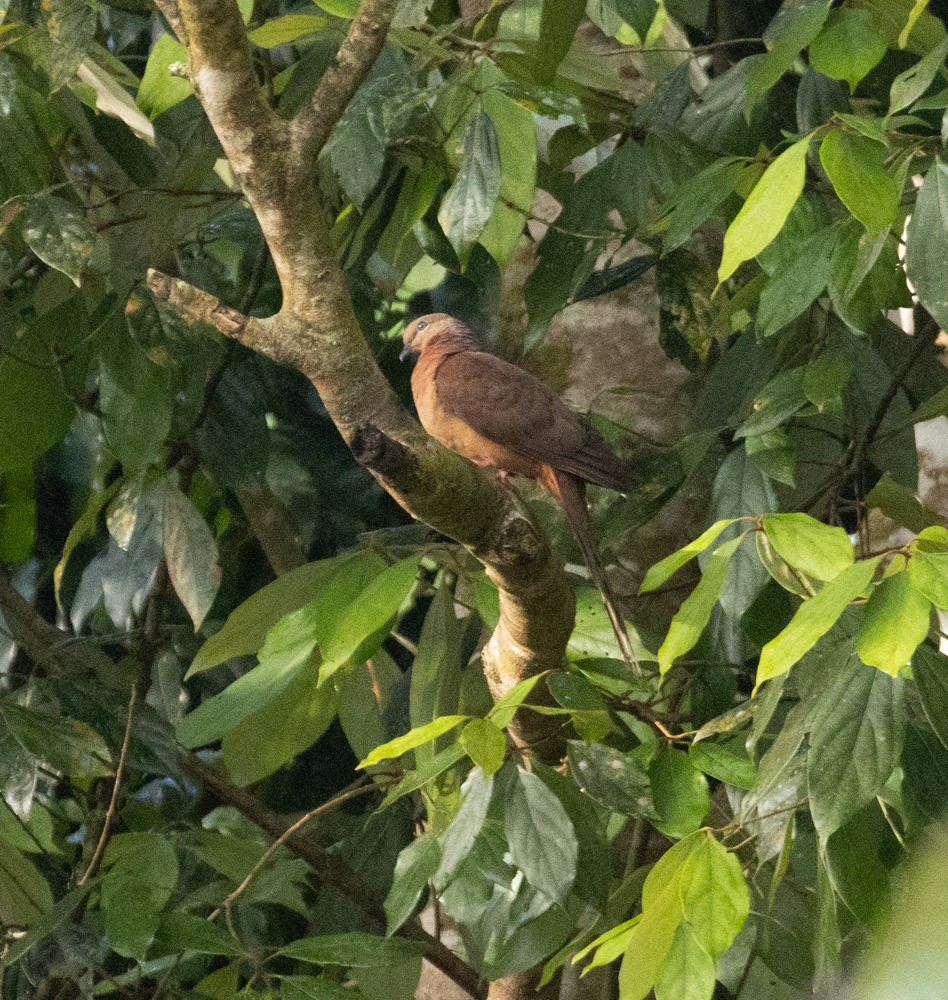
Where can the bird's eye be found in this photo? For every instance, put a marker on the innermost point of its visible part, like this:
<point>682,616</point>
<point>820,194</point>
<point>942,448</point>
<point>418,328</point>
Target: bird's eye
<point>420,325</point>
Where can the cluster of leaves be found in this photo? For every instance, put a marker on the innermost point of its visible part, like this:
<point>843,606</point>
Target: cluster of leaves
<point>792,743</point>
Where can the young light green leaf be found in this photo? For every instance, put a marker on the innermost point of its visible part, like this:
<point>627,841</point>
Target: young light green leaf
<point>714,895</point>
<point>58,234</point>
<point>897,621</point>
<point>160,89</point>
<point>855,166</point>
<point>190,555</point>
<point>927,241</point>
<point>693,616</point>
<point>485,744</point>
<point>670,565</point>
<point>817,549</point>
<point>814,618</point>
<point>687,971</point>
<point>848,46</point>
<point>907,87</point>
<point>470,200</point>
<point>540,835</point>
<point>928,572</point>
<point>766,209</point>
<point>506,707</point>
<point>414,738</point>
<point>420,776</point>
<point>286,29</point>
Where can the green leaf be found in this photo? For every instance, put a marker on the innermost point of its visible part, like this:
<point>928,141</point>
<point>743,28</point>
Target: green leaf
<point>421,776</point>
<point>415,868</point>
<point>559,20</point>
<point>458,839</point>
<point>368,619</point>
<point>159,89</point>
<point>930,671</point>
<point>687,971</point>
<point>692,617</point>
<point>670,565</point>
<point>901,504</point>
<point>416,737</point>
<point>47,923</point>
<point>825,379</point>
<point>897,621</point>
<point>855,742</point>
<point>928,572</point>
<point>795,285</point>
<point>779,400</point>
<point>104,89</point>
<point>817,549</point>
<point>714,895</point>
<point>58,234</point>
<point>355,950</point>
<point>284,726</point>
<point>25,896</point>
<point>506,707</point>
<point>814,618</point>
<point>136,406</point>
<point>186,932</point>
<point>730,764</point>
<point>365,694</point>
<point>301,988</point>
<point>696,200</point>
<point>614,779</point>
<point>190,555</point>
<point>540,835</point>
<point>67,745</point>
<point>485,744</point>
<point>927,242</point>
<point>855,166</point>
<point>247,625</point>
<point>763,214</point>
<point>680,793</point>
<point>848,46</point>
<point>142,874</point>
<point>909,86</point>
<point>469,202</point>
<point>795,25</point>
<point>70,27</point>
<point>286,29</point>
<point>935,406</point>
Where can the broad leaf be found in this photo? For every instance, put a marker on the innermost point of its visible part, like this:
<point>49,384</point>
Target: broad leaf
<point>909,86</point>
<point>414,738</point>
<point>485,744</point>
<point>714,895</point>
<point>855,166</point>
<point>930,671</point>
<point>766,209</point>
<point>670,565</point>
<point>58,234</point>
<point>614,779</point>
<point>927,242</point>
<point>897,621</point>
<point>354,950</point>
<point>559,20</point>
<point>190,555</point>
<point>817,549</point>
<point>160,89</point>
<point>415,868</point>
<point>848,46</point>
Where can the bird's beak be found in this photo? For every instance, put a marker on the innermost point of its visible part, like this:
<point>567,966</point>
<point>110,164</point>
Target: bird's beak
<point>406,350</point>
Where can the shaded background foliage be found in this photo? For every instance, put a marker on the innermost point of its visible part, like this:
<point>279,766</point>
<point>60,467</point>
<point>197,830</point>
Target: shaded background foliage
<point>204,565</point>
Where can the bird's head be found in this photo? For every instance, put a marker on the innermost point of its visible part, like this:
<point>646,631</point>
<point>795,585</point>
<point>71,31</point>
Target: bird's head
<point>420,332</point>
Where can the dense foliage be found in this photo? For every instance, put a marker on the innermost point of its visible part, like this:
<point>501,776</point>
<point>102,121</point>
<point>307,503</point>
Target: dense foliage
<point>206,568</point>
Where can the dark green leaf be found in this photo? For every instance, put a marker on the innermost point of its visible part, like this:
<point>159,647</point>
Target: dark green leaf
<point>558,23</point>
<point>416,866</point>
<point>70,26</point>
<point>458,839</point>
<point>188,932</point>
<point>927,241</point>
<point>696,200</point>
<point>613,779</point>
<point>67,745</point>
<point>795,285</point>
<point>930,670</point>
<point>142,874</point>
<point>728,763</point>
<point>855,742</point>
<point>901,504</point>
<point>680,793</point>
<point>25,896</point>
<point>909,86</point>
<point>58,234</point>
<point>541,837</point>
<point>314,988</point>
<point>354,950</point>
<point>468,204</point>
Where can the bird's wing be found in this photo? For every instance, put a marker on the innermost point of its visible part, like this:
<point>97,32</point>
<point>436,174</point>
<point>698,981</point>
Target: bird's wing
<point>505,404</point>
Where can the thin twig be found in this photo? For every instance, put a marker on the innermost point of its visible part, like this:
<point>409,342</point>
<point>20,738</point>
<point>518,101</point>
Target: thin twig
<point>337,800</point>
<point>116,788</point>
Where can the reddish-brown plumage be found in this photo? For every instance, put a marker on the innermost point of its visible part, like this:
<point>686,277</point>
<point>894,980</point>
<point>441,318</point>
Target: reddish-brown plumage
<point>499,416</point>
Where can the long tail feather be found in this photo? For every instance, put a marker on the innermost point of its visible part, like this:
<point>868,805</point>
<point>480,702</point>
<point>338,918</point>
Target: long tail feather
<point>570,492</point>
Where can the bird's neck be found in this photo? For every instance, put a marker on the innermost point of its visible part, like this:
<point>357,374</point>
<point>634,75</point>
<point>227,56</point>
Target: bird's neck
<point>451,342</point>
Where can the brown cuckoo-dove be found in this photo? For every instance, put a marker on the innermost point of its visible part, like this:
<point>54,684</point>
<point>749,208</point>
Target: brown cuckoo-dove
<point>499,416</point>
